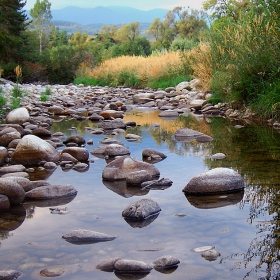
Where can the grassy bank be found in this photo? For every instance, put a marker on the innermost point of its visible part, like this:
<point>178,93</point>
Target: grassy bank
<point>157,71</point>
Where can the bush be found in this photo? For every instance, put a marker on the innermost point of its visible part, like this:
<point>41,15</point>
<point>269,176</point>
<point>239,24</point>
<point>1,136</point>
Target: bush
<point>3,99</point>
<point>183,44</point>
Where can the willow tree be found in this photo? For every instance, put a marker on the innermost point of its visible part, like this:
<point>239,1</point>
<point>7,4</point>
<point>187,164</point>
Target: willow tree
<point>41,19</point>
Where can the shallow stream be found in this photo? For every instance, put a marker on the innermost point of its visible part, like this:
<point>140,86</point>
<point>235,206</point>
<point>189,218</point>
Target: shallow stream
<point>244,227</point>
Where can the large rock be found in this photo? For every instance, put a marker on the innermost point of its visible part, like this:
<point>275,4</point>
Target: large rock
<point>141,210</point>
<point>86,236</point>
<point>4,203</point>
<point>138,177</point>
<point>197,104</point>
<point>120,168</point>
<point>151,153</point>
<point>143,97</point>
<point>217,180</point>
<point>75,139</point>
<point>81,154</point>
<point>18,116</point>
<point>51,192</point>
<point>12,190</point>
<point>31,150</point>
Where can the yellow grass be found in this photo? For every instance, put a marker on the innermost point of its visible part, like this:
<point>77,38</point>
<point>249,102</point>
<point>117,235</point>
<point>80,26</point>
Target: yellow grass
<point>142,67</point>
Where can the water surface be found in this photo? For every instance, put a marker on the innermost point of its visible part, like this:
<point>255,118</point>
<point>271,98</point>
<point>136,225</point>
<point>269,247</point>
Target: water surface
<point>243,227</point>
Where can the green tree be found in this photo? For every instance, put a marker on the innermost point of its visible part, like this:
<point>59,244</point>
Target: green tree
<point>128,32</point>
<point>12,26</point>
<point>41,14</point>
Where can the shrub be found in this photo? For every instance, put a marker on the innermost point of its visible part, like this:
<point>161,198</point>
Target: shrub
<point>3,99</point>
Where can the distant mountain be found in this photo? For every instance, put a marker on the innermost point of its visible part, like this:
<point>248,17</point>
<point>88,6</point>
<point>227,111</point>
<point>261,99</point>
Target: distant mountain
<point>107,15</point>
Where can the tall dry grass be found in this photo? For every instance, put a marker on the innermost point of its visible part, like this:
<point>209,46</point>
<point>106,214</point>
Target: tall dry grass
<point>143,68</point>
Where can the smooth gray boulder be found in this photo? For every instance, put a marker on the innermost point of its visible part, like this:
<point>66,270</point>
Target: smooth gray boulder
<point>132,137</point>
<point>7,138</point>
<point>31,150</point>
<point>81,236</point>
<point>17,116</point>
<point>11,169</point>
<point>51,192</point>
<point>120,168</point>
<point>132,266</point>
<point>141,209</point>
<point>217,180</point>
<point>166,262</point>
<point>12,190</point>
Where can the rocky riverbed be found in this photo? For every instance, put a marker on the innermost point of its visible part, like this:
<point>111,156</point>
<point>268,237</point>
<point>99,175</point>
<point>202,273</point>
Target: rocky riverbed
<point>26,143</point>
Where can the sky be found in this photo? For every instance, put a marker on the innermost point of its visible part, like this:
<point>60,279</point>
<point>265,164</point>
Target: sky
<point>137,4</point>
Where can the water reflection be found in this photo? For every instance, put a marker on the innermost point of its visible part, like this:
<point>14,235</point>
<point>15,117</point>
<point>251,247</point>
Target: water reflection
<point>11,220</point>
<point>143,223</point>
<point>121,188</point>
<point>215,201</point>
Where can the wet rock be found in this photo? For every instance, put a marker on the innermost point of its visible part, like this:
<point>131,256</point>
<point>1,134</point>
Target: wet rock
<point>81,154</point>
<point>132,266</point>
<point>120,168</point>
<point>111,114</point>
<point>197,103</point>
<point>111,150</point>
<point>81,167</point>
<point>13,144</point>
<point>16,174</point>
<point>82,236</point>
<point>41,132</point>
<point>211,255</point>
<point>8,137</point>
<point>79,140</point>
<point>50,165</point>
<point>12,190</point>
<point>51,192</point>
<point>56,110</point>
<point>52,272</point>
<point>67,158</point>
<point>165,262</point>
<point>183,85</point>
<point>187,134</point>
<point>95,117</point>
<point>132,137</point>
<point>113,124</point>
<point>107,265</point>
<point>146,153</point>
<point>31,150</point>
<point>3,155</point>
<point>11,169</point>
<point>215,180</point>
<point>23,182</point>
<point>35,184</point>
<point>17,116</point>
<point>9,274</point>
<point>141,209</point>
<point>218,156</point>
<point>168,114</point>
<point>160,184</point>
<point>4,202</point>
<point>107,141</point>
<point>143,97</point>
<point>138,177</point>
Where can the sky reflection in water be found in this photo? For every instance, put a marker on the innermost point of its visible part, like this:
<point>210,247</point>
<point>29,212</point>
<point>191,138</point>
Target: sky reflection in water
<point>243,227</point>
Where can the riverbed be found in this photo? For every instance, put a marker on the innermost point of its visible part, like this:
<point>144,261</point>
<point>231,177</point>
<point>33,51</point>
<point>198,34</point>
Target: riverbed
<point>243,227</point>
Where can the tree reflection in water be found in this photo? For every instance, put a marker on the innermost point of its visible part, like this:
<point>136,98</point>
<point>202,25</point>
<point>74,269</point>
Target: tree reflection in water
<point>253,151</point>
